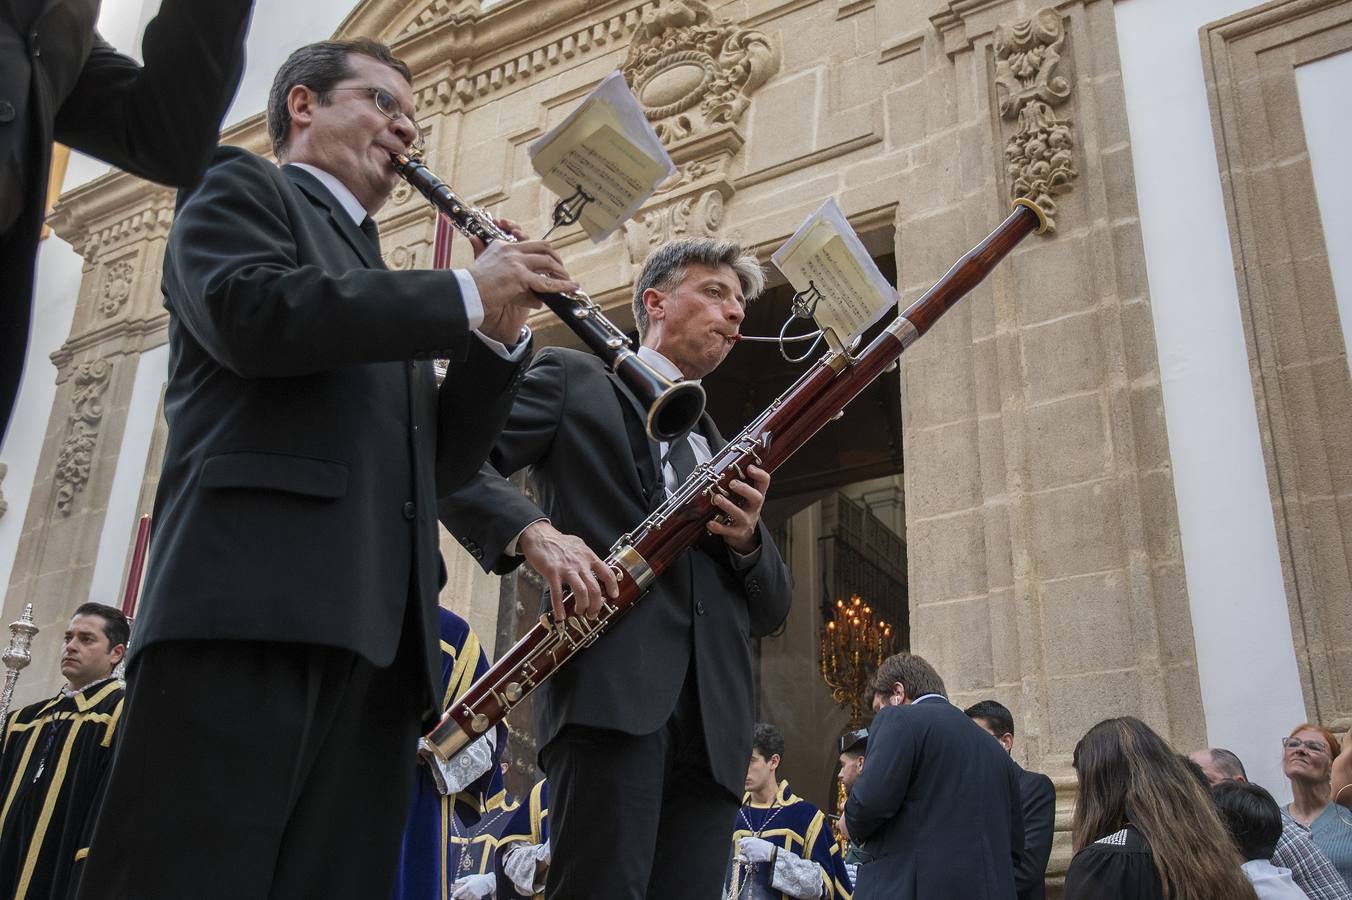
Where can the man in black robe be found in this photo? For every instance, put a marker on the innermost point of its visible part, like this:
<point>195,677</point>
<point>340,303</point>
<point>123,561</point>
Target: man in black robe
<point>54,756</point>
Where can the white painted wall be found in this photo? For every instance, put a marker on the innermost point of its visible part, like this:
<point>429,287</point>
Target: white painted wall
<point>1245,657</point>
<point>1326,108</point>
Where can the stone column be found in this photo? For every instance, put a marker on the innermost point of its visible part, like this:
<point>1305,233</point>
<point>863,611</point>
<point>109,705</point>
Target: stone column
<point>1045,566</point>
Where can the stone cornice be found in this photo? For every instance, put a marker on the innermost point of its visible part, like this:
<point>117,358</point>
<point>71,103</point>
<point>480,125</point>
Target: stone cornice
<point>138,335</point>
<point>111,211</point>
<point>961,23</point>
<point>117,208</point>
<point>481,52</point>
<point>534,57</point>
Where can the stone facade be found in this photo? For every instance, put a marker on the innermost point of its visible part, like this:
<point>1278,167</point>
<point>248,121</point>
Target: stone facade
<point>1045,566</point>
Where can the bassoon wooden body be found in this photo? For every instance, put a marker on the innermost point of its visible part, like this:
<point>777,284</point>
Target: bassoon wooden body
<point>643,554</point>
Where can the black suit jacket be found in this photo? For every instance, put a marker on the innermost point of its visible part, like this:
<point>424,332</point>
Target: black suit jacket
<point>60,80</point>
<point>1037,796</point>
<point>595,475</point>
<point>298,497</point>
<point>936,810</point>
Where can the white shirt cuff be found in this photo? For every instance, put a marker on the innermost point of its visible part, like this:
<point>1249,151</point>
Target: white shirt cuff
<point>469,295</point>
<point>474,317</point>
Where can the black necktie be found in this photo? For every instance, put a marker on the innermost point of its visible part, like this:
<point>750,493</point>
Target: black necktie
<point>368,228</point>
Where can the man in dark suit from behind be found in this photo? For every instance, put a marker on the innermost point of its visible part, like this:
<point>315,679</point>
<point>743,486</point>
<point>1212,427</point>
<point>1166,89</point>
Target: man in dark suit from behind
<point>1037,796</point>
<point>286,653</point>
<point>936,810</point>
<point>59,80</point>
<point>645,734</point>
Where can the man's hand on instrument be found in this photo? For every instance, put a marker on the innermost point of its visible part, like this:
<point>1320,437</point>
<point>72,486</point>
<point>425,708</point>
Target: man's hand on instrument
<point>564,559</point>
<point>741,513</point>
<point>509,275</point>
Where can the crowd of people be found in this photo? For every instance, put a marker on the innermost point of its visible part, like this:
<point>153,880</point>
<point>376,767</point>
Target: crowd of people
<point>935,805</point>
<point>290,649</point>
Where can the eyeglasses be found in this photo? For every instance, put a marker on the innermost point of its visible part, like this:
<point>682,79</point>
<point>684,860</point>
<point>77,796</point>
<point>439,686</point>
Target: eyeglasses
<point>1291,743</point>
<point>389,108</point>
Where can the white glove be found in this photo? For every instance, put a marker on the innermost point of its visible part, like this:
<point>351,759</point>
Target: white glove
<point>756,850</point>
<point>474,887</point>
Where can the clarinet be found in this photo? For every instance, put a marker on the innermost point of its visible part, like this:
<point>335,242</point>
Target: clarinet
<point>673,406</point>
<point>640,556</point>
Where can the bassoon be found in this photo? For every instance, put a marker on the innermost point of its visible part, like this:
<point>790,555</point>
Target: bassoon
<point>640,556</point>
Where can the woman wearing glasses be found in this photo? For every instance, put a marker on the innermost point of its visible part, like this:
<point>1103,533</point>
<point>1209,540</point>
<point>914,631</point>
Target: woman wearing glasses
<point>1307,760</point>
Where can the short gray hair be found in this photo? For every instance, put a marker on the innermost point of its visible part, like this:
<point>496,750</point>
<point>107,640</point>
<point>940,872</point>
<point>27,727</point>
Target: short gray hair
<point>669,264</point>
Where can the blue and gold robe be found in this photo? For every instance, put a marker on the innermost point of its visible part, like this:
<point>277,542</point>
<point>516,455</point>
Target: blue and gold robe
<point>798,826</point>
<point>528,825</point>
<point>429,859</point>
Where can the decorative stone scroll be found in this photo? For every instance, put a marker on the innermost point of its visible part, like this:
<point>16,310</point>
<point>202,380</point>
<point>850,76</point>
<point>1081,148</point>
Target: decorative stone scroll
<point>1039,157</point>
<point>692,72</point>
<point>86,412</point>
<point>117,282</point>
<point>693,215</point>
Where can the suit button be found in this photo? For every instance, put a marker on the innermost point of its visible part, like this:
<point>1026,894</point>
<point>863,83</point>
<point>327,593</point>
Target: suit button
<point>33,42</point>
<point>699,607</point>
<point>409,509</point>
<point>6,111</point>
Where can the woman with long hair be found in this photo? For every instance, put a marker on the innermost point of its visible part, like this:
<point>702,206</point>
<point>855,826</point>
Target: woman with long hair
<point>1307,759</point>
<point>1143,825</point>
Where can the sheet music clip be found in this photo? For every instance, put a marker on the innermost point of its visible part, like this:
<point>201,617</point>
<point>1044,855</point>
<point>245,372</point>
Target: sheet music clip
<point>804,303</point>
<point>569,210</point>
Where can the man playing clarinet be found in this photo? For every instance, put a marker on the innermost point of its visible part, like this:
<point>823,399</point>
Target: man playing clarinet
<point>659,710</point>
<point>287,644</point>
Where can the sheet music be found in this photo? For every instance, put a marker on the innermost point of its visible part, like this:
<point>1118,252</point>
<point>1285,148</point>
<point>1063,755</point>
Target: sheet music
<point>607,148</point>
<point>825,260</point>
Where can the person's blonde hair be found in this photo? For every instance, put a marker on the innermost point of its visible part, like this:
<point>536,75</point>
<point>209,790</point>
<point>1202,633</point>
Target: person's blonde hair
<point>1129,775</point>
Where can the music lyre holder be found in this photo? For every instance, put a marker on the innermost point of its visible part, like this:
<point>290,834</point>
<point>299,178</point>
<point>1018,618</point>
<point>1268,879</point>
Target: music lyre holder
<point>569,210</point>
<point>803,305</point>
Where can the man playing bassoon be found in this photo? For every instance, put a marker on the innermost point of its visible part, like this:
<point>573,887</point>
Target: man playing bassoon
<point>658,712</point>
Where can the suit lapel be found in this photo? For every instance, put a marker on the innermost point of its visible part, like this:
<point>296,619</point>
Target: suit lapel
<point>338,217</point>
<point>644,470</point>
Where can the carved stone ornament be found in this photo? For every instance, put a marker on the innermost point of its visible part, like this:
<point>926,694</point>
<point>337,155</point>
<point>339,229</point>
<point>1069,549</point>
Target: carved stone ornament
<point>693,72</point>
<point>86,412</point>
<point>117,281</point>
<point>1039,156</point>
<point>401,258</point>
<point>693,215</point>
